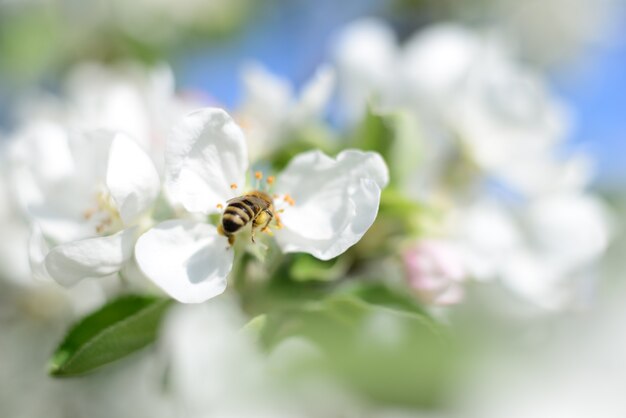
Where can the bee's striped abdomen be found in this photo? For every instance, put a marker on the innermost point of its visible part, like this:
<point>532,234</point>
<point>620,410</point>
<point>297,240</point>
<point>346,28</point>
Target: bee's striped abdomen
<point>238,213</point>
<point>243,210</point>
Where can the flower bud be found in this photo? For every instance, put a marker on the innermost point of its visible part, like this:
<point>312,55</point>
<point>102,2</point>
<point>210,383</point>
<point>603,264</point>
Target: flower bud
<point>435,271</point>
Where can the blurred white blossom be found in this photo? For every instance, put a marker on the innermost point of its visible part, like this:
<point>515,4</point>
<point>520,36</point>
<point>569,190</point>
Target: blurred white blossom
<point>271,112</point>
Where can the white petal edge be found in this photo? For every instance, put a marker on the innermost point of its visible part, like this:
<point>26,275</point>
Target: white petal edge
<point>38,249</point>
<point>315,94</point>
<point>188,260</point>
<point>366,55</point>
<point>206,153</point>
<point>132,178</point>
<point>90,258</point>
<point>336,201</point>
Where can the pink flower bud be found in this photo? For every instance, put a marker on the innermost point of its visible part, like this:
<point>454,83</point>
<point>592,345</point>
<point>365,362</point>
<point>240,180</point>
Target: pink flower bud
<point>435,271</point>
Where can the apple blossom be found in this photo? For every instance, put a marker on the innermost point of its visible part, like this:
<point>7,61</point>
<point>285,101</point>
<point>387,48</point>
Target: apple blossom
<point>126,97</point>
<point>541,251</point>
<point>271,111</point>
<point>328,203</point>
<point>435,271</point>
<point>471,95</point>
<point>87,196</point>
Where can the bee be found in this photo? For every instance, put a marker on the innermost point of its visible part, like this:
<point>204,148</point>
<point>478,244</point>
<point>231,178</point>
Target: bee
<point>255,207</point>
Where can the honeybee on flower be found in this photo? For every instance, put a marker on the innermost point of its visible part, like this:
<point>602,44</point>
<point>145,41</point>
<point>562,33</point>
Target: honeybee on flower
<point>325,204</point>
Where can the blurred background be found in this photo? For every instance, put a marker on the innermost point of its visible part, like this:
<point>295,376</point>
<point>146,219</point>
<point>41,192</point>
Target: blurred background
<point>529,365</point>
<point>581,44</point>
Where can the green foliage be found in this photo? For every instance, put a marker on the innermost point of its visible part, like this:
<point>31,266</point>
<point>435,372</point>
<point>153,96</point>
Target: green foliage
<point>396,136</point>
<point>376,293</point>
<point>303,140</point>
<point>114,331</point>
<point>389,354</point>
<point>306,268</point>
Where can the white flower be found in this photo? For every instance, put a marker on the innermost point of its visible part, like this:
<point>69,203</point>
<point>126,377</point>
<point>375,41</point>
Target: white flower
<point>366,57</point>
<point>271,111</point>
<point>435,270</point>
<point>335,201</point>
<point>127,97</point>
<point>542,251</point>
<point>87,197</point>
<point>472,96</point>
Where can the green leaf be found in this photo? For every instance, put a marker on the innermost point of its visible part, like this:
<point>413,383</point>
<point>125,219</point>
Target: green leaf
<point>397,137</point>
<point>114,331</point>
<point>306,268</point>
<point>376,293</point>
<point>386,353</point>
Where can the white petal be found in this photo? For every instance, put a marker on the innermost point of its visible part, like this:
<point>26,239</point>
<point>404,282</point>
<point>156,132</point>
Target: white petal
<point>131,178</point>
<point>187,259</point>
<point>436,60</point>
<point>571,230</point>
<point>37,251</point>
<point>92,257</point>
<point>366,55</point>
<point>315,95</point>
<point>336,201</point>
<point>206,153</point>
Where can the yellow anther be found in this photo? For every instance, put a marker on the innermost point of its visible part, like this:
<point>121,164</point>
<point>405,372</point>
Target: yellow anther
<point>277,221</point>
<point>268,231</point>
<point>88,214</point>
<point>258,175</point>
<point>220,206</point>
<point>270,180</point>
<point>289,200</point>
<point>233,186</point>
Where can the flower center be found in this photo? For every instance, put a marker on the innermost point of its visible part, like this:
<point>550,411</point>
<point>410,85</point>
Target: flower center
<point>278,205</point>
<point>104,214</point>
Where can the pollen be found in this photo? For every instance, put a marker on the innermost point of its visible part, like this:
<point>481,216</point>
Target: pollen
<point>88,214</point>
<point>258,175</point>
<point>268,231</point>
<point>289,200</point>
<point>279,224</point>
<point>233,186</point>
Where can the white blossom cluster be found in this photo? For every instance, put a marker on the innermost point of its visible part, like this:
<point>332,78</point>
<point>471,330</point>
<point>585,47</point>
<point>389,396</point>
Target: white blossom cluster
<point>94,198</point>
<point>117,184</point>
<point>88,174</point>
<point>521,212</point>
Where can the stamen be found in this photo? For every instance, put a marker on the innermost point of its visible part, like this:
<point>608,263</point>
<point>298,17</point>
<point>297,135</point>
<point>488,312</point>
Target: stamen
<point>279,224</point>
<point>220,206</point>
<point>88,214</point>
<point>268,231</point>
<point>270,180</point>
<point>233,186</point>
<point>289,200</point>
<point>258,175</point>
